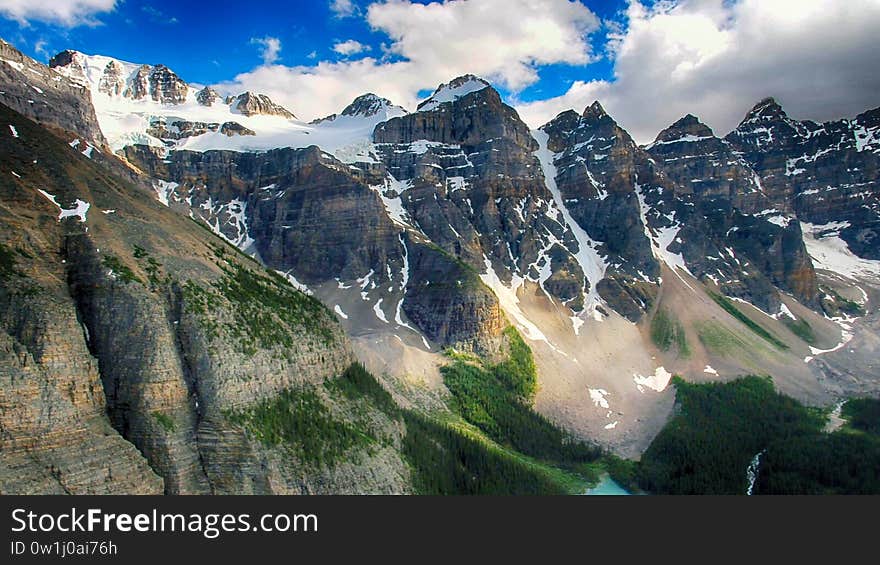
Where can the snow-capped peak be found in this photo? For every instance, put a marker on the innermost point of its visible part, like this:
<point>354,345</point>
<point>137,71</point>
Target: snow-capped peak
<point>595,111</point>
<point>452,91</point>
<point>766,109</point>
<point>368,105</point>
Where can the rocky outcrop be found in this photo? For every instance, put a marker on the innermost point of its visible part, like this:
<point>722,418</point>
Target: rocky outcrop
<point>166,87</point>
<point>36,91</point>
<point>139,84</point>
<point>182,129</point>
<point>207,96</point>
<point>112,81</point>
<point>251,104</point>
<point>449,303</point>
<point>742,221</point>
<point>367,105</point>
<point>822,172</point>
<point>617,195</point>
<point>692,156</point>
<point>465,171</point>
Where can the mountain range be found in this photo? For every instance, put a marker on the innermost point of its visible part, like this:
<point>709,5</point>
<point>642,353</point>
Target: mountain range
<point>176,261</point>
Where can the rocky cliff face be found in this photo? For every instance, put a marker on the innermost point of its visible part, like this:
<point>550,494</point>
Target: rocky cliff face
<point>133,341</point>
<point>43,95</point>
<point>825,173</point>
<point>182,129</point>
<point>158,83</point>
<point>741,220</point>
<point>467,173</point>
<point>306,214</point>
<point>711,168</point>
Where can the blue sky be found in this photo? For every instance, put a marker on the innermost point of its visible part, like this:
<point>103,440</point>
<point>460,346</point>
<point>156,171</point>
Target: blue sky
<point>210,42</point>
<point>648,61</point>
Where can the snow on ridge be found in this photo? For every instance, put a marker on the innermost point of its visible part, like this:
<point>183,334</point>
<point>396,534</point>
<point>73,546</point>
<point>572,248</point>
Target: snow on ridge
<point>663,238</point>
<point>689,138</point>
<point>125,121</point>
<point>164,190</point>
<point>390,194</point>
<point>592,264</point>
<point>453,91</point>
<point>295,283</point>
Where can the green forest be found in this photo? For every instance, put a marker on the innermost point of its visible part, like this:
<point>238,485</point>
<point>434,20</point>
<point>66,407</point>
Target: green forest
<point>719,428</point>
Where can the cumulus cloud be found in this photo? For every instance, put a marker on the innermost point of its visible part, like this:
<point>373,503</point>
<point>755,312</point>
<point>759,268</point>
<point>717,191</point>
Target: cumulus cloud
<point>343,8</point>
<point>270,48</point>
<point>717,58</point>
<point>350,47</point>
<point>66,13</point>
<point>505,41</point>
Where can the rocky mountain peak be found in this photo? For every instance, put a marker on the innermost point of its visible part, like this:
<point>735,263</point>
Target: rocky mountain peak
<point>251,104</point>
<point>63,59</point>
<point>688,127</point>
<point>766,125</point>
<point>207,96</point>
<point>767,110</point>
<point>166,87</point>
<point>595,111</point>
<point>367,105</point>
<point>112,80</point>
<point>453,90</point>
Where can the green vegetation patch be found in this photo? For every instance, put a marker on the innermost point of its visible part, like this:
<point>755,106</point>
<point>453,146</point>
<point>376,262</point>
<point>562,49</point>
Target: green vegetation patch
<point>265,311</point>
<point>357,383</point>
<point>259,303</point>
<point>667,331</point>
<point>801,328</point>
<point>497,400</point>
<point>731,309</point>
<point>152,267</point>
<point>719,340</point>
<point>300,421</point>
<point>863,414</point>
<point>446,460</point>
<point>720,428</point>
<point>838,304</point>
<point>165,421</point>
<point>120,270</point>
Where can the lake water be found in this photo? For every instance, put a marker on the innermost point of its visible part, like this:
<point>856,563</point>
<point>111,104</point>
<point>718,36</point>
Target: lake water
<point>607,487</point>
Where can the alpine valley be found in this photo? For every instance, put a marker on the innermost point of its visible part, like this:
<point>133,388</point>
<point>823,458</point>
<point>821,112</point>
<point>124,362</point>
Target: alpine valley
<point>203,294</point>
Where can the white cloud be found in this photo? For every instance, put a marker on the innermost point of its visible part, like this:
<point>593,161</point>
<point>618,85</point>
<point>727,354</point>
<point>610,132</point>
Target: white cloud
<point>343,8</point>
<point>67,13</point>
<point>41,47</point>
<point>350,47</point>
<point>271,47</point>
<point>502,40</point>
<point>717,58</point>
